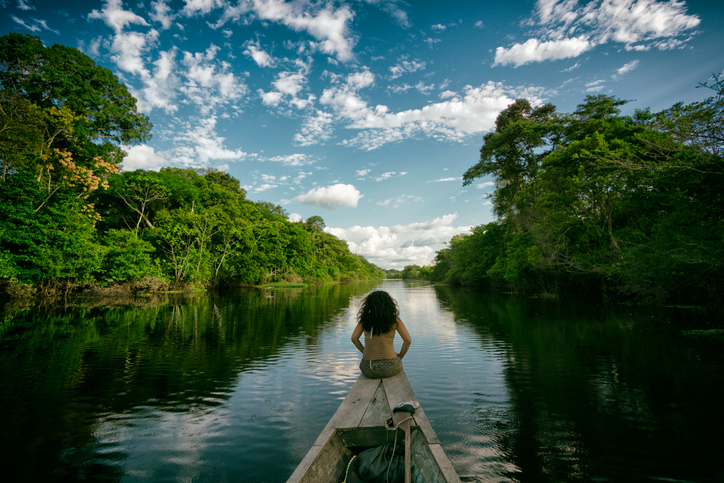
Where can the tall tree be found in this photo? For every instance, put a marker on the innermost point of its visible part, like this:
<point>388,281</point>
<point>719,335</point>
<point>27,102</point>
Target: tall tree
<point>513,152</point>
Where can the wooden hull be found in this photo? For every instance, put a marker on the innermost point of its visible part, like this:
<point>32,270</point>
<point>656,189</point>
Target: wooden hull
<point>359,422</point>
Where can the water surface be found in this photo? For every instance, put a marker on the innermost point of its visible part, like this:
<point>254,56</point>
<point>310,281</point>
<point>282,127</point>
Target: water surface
<point>237,388</point>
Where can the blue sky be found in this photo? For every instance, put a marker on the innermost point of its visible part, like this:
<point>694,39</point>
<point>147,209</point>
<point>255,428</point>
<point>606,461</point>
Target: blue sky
<point>368,112</point>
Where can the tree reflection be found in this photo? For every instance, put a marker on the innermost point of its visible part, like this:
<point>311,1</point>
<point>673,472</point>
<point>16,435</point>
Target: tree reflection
<point>598,393</point>
<point>65,368</point>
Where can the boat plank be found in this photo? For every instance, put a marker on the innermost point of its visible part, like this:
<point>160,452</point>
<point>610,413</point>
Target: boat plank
<point>378,410</point>
<point>450,476</point>
<point>323,463</point>
<point>399,390</point>
<point>359,421</point>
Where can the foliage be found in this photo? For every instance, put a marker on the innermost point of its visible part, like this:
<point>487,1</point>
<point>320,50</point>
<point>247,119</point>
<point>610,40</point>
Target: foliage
<point>71,217</point>
<point>602,202</point>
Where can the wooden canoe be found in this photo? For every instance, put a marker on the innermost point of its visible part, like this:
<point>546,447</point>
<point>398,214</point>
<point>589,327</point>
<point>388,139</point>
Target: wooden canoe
<point>360,422</point>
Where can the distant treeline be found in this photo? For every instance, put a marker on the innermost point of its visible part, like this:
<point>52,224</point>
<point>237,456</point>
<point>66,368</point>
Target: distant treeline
<point>69,217</point>
<point>600,203</point>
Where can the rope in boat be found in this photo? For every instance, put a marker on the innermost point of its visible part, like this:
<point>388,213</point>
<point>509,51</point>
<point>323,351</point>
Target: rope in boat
<point>394,446</point>
<point>346,473</point>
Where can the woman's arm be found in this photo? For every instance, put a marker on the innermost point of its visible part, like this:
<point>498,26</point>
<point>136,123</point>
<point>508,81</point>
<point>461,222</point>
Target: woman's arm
<point>356,334</point>
<point>406,340</point>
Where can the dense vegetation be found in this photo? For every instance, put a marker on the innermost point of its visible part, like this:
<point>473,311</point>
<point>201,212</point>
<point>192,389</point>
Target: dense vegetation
<point>70,217</point>
<point>599,202</point>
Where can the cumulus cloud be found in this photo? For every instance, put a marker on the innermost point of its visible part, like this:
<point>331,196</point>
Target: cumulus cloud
<point>638,24</point>
<point>329,26</point>
<point>405,66</point>
<point>452,119</point>
<point>331,197</point>
<point>199,145</point>
<point>161,14</point>
<point>116,17</point>
<point>287,87</point>
<point>259,55</point>
<point>208,81</point>
<point>400,245</point>
<point>534,50</point>
<point>142,157</point>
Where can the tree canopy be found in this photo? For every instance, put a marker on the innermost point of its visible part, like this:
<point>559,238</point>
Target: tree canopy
<point>71,217</point>
<point>602,202</point>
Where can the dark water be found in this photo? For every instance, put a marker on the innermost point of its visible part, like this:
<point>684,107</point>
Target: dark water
<point>237,388</point>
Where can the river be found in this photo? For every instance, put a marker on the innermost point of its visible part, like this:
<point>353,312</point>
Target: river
<point>237,387</point>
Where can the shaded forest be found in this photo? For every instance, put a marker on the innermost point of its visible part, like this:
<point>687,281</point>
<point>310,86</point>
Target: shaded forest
<point>72,217</point>
<point>600,203</point>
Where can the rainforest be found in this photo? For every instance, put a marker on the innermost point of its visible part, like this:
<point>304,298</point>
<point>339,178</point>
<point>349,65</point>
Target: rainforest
<point>599,203</point>
<point>73,220</point>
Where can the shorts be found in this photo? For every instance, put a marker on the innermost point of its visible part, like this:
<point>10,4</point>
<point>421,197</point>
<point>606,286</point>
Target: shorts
<point>381,368</point>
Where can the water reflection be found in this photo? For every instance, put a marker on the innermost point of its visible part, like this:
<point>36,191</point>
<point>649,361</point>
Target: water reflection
<point>144,391</point>
<point>594,394</point>
<point>209,388</point>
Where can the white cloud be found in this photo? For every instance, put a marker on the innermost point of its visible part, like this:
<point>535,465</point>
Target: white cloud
<point>161,14</point>
<point>325,23</point>
<point>400,245</point>
<point>294,217</point>
<point>362,172</point>
<point>36,26</point>
<point>573,67</point>
<point>595,86</point>
<point>195,7</point>
<point>200,145</point>
<point>260,56</point>
<point>423,88</point>
<point>316,128</point>
<point>210,82</point>
<point>142,157</point>
<point>331,197</point>
<point>296,159</point>
<point>161,86</point>
<point>534,50</point>
<point>388,175</point>
<point>399,201</point>
<point>458,178</point>
<point>128,49</point>
<point>628,67</point>
<point>287,87</point>
<point>405,66</point>
<point>115,17</point>
<point>479,24</point>
<point>638,24</point>
<point>453,119</point>
<point>23,5</point>
<point>486,184</point>
<point>439,27</point>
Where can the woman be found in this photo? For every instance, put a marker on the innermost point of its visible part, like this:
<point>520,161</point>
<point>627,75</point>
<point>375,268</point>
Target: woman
<point>378,318</point>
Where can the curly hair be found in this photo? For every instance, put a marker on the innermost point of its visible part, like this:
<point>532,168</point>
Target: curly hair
<point>378,312</point>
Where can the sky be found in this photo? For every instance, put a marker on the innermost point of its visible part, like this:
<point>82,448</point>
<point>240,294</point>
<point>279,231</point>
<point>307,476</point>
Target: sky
<point>368,112</point>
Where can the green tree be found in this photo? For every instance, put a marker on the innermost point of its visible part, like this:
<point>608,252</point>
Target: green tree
<point>513,152</point>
